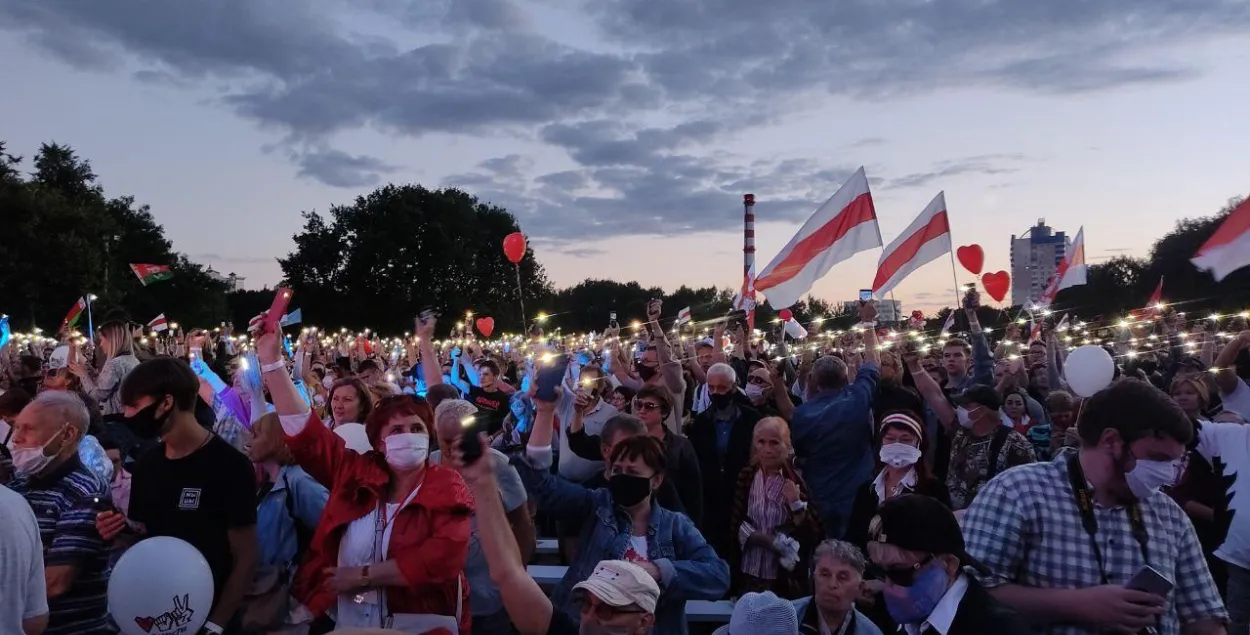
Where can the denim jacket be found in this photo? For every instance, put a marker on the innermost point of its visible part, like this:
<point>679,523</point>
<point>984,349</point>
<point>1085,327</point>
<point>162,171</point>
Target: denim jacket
<point>275,528</point>
<point>689,567</point>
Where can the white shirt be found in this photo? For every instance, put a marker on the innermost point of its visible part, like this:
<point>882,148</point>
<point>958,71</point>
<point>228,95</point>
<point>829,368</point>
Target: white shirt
<point>1231,443</point>
<point>908,481</point>
<point>357,550</point>
<point>1238,400</point>
<point>21,563</point>
<point>944,613</point>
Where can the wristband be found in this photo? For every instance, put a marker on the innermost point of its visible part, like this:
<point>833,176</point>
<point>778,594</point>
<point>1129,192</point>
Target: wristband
<point>212,628</point>
<point>798,506</point>
<point>269,368</point>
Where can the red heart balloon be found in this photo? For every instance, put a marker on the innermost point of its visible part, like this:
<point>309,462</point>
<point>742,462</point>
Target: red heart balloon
<point>486,326</point>
<point>514,247</point>
<point>972,257</point>
<point>785,314</point>
<point>996,284</point>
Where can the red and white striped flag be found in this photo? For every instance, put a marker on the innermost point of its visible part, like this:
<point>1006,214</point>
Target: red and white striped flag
<point>1156,299</point>
<point>1070,273</point>
<point>1228,249</point>
<point>683,316</point>
<point>950,321</point>
<point>844,226</point>
<point>159,323</point>
<point>924,240</point>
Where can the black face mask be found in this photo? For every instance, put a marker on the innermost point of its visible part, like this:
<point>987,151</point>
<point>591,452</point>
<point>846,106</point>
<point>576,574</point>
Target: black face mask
<point>722,401</point>
<point>646,372</point>
<point>628,490</point>
<point>145,423</point>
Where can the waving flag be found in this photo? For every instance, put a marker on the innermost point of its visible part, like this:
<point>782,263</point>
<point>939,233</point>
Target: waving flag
<point>1228,249</point>
<point>926,238</point>
<point>844,226</point>
<point>683,316</point>
<point>1156,299</point>
<point>294,317</point>
<point>148,274</point>
<point>159,323</point>
<point>75,312</point>
<point>1070,273</point>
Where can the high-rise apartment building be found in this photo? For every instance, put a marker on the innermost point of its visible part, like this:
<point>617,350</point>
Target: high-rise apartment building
<point>1034,258</point>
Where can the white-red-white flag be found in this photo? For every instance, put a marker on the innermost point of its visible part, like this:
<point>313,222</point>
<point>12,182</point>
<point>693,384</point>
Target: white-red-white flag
<point>683,316</point>
<point>159,323</point>
<point>795,330</point>
<point>844,226</point>
<point>1070,273</point>
<point>1228,249</point>
<point>924,240</point>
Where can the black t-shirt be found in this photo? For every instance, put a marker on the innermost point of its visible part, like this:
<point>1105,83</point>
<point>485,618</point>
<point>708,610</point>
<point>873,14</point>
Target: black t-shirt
<point>196,498</point>
<point>562,624</point>
<point>492,407</point>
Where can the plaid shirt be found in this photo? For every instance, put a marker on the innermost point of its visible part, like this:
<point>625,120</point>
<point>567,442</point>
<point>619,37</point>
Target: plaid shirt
<point>1026,528</point>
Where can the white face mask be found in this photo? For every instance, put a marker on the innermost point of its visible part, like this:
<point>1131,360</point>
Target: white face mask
<point>899,454</point>
<point>1148,476</point>
<point>407,450</point>
<point>755,393</point>
<point>30,461</point>
<point>965,417</point>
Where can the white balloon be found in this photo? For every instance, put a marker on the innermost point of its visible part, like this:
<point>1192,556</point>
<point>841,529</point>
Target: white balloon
<point>1088,370</point>
<point>161,586</point>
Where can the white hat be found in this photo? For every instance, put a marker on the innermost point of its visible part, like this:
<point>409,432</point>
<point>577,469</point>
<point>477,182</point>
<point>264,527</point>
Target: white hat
<point>59,358</point>
<point>761,614</point>
<point>620,583</point>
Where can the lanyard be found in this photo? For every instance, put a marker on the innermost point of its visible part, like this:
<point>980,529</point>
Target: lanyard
<point>1085,503</point>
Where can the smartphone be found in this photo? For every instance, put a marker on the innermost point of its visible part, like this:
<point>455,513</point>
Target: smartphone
<point>865,296</point>
<point>278,309</point>
<point>1151,581</point>
<point>549,378</point>
<point>612,320</point>
<point>102,505</point>
<point>470,445</point>
<point>427,315</point>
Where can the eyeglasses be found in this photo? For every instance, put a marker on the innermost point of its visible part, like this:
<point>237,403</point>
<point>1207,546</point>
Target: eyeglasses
<point>602,611</point>
<point>907,576</point>
<point>758,381</point>
<point>648,406</point>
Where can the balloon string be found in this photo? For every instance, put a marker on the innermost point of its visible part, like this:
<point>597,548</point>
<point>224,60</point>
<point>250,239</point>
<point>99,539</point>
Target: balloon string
<point>519,296</point>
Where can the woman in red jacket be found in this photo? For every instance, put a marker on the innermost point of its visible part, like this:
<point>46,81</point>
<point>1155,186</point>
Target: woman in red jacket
<point>391,547</point>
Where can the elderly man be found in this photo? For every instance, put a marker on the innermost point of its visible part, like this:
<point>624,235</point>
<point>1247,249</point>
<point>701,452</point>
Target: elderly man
<point>722,437</point>
<point>64,494</point>
<point>489,616</point>
<point>837,578</point>
<point>833,431</point>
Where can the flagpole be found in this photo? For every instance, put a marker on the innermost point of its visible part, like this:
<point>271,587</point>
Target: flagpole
<point>955,276</point>
<point>90,324</point>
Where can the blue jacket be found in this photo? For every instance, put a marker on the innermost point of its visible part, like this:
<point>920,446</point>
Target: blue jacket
<point>982,364</point>
<point>689,567</point>
<point>294,492</point>
<point>809,622</point>
<point>833,433</point>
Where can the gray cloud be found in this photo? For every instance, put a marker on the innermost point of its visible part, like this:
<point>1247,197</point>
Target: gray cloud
<point>704,68</point>
<point>340,169</point>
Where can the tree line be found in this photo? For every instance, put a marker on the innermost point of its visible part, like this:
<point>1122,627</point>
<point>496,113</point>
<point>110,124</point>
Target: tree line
<point>403,249</point>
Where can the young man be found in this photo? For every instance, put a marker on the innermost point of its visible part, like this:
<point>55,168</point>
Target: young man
<point>192,485</point>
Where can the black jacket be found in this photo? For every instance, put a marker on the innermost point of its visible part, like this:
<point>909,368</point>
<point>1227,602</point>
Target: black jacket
<point>720,476</point>
<point>866,504</point>
<point>980,613</point>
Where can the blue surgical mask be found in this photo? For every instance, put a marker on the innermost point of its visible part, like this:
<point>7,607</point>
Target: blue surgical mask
<point>914,604</point>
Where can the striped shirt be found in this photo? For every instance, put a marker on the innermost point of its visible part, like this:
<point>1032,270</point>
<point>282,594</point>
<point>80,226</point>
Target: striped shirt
<point>64,506</point>
<point>765,511</point>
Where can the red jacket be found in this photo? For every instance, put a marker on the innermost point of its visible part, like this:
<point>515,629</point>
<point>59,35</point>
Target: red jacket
<point>430,539</point>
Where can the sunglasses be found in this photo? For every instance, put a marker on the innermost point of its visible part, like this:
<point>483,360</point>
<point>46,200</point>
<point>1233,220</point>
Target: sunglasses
<point>647,406</point>
<point>906,576</point>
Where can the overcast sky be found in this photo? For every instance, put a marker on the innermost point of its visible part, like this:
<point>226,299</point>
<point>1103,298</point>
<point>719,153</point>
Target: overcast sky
<point>623,133</point>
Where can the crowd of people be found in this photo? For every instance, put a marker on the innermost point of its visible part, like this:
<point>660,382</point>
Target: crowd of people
<point>837,486</point>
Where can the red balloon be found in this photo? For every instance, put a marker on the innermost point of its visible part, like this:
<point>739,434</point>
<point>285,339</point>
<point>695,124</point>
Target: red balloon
<point>514,247</point>
<point>972,257</point>
<point>996,284</point>
<point>486,326</point>
<point>785,314</point>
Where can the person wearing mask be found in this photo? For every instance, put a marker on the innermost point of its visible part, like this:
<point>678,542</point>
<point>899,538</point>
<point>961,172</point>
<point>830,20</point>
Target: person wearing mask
<point>287,514</point>
<point>901,470</point>
<point>761,391</point>
<point>776,531</point>
<point>24,602</point>
<point>722,440</point>
<point>982,446</point>
<point>63,492</point>
<point>656,366</point>
<point>918,543</point>
<point>837,579</point>
<point>833,430</point>
<point>584,409</point>
<point>189,485</point>
<point>1105,520</point>
<point>119,486</point>
<point>392,546</point>
<point>618,429</point>
<point>624,522</point>
<point>489,616</point>
<point>29,374</point>
<point>761,614</point>
<point>117,344</point>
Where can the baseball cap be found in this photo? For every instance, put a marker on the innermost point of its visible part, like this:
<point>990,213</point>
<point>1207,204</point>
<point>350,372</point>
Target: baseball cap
<point>620,583</point>
<point>59,358</point>
<point>979,394</point>
<point>914,522</point>
<point>761,614</point>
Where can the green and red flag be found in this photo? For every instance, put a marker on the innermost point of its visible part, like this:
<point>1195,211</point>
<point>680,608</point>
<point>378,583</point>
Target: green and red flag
<point>75,312</point>
<point>151,273</point>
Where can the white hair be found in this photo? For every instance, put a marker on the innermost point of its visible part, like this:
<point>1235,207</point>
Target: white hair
<point>724,370</point>
<point>452,412</point>
<point>65,407</point>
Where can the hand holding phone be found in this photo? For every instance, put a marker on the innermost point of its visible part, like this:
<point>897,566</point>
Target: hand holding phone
<point>1149,580</point>
<point>470,444</point>
<point>281,299</point>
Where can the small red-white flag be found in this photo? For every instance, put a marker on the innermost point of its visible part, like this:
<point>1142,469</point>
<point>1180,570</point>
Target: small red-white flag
<point>844,226</point>
<point>1070,273</point>
<point>1228,249</point>
<point>950,322</point>
<point>1156,299</point>
<point>683,316</point>
<point>795,330</point>
<point>924,240</point>
<point>158,323</point>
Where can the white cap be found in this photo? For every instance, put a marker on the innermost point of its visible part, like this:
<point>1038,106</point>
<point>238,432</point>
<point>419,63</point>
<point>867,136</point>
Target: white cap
<point>620,583</point>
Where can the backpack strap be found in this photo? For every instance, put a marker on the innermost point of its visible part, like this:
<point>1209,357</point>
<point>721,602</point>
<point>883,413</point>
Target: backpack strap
<point>994,465</point>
